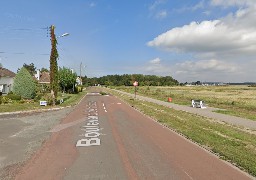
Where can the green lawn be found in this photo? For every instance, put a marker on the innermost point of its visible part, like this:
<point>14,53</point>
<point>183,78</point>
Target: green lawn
<point>69,100</point>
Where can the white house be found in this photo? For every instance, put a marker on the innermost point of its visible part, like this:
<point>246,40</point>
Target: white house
<point>79,81</point>
<point>6,80</point>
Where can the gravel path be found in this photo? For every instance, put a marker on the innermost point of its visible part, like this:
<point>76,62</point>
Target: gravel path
<point>21,134</point>
<point>208,112</point>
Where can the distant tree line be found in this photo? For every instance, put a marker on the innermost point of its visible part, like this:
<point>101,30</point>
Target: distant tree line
<point>127,80</point>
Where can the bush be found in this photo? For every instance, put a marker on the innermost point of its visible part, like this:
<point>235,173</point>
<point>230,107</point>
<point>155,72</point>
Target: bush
<point>79,88</point>
<point>38,97</point>
<point>48,98</point>
<point>24,84</point>
<point>14,97</point>
<point>6,100</point>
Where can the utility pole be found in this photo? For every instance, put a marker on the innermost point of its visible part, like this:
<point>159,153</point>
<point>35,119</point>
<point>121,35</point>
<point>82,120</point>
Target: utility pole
<point>53,66</point>
<point>81,70</point>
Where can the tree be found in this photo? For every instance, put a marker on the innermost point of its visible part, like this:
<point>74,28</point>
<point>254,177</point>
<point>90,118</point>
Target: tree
<point>1,65</point>
<point>44,70</point>
<point>31,68</point>
<point>24,84</point>
<point>54,67</point>
<point>67,79</point>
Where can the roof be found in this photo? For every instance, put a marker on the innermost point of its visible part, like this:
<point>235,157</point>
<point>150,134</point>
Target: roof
<point>6,73</point>
<point>44,77</point>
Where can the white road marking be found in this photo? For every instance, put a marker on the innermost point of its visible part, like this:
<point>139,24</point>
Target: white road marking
<point>104,107</point>
<point>92,129</point>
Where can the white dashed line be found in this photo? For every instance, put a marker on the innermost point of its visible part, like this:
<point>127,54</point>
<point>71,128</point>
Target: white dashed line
<point>104,107</point>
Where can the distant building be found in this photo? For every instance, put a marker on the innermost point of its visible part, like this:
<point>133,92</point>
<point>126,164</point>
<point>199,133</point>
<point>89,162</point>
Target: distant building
<point>42,77</point>
<point>6,80</point>
<point>79,81</point>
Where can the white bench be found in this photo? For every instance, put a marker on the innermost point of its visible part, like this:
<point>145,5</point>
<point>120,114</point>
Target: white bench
<point>198,104</point>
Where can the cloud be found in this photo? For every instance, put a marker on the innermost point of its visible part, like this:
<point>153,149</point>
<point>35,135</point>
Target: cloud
<point>226,3</point>
<point>195,7</point>
<point>92,4</point>
<point>211,36</point>
<point>225,44</point>
<point>156,9</point>
<point>155,66</point>
<point>155,61</point>
<point>236,32</point>
<point>156,3</point>
<point>162,14</point>
<point>212,65</point>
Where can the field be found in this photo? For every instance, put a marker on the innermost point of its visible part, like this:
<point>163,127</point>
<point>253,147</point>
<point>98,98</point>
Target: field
<point>234,100</point>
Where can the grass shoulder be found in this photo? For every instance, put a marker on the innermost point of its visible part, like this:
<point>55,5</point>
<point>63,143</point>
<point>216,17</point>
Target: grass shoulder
<point>238,101</point>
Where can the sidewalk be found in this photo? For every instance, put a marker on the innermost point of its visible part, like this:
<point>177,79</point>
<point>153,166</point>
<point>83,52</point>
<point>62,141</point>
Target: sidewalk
<point>208,112</point>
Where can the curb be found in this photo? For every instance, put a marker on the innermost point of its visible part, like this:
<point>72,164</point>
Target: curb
<point>32,111</point>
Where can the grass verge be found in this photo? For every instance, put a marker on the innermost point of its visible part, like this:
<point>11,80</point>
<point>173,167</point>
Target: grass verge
<point>229,143</point>
<point>69,100</point>
<point>237,101</point>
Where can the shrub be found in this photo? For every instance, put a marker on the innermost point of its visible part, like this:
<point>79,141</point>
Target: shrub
<point>38,97</point>
<point>6,100</point>
<point>48,98</point>
<point>14,97</point>
<point>79,88</point>
<point>24,84</point>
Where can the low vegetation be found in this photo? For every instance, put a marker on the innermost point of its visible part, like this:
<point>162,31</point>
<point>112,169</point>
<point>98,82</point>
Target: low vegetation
<point>232,144</point>
<point>234,100</point>
<point>12,102</point>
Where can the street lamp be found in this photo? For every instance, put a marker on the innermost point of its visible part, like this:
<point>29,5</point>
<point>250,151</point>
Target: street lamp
<point>54,65</point>
<point>65,34</point>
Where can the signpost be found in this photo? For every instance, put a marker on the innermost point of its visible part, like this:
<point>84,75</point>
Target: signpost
<point>135,84</point>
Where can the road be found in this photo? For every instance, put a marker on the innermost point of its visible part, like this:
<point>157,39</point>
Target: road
<point>104,138</point>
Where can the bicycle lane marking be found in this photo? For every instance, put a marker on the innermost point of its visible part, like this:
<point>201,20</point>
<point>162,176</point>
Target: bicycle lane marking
<point>92,126</point>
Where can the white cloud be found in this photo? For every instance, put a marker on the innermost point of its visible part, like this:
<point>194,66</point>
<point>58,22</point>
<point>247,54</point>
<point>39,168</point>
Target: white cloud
<point>238,3</point>
<point>155,61</point>
<point>92,4</point>
<point>227,45</point>
<point>211,36</point>
<point>199,5</point>
<point>155,66</point>
<point>156,3</point>
<point>162,14</point>
<point>156,9</point>
<point>212,65</point>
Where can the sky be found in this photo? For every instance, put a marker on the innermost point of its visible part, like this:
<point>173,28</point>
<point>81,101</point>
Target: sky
<point>190,40</point>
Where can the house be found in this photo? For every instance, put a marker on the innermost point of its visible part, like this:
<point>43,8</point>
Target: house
<point>43,77</point>
<point>6,80</point>
<point>79,81</point>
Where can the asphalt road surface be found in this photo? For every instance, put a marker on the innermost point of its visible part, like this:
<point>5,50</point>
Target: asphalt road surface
<point>104,138</point>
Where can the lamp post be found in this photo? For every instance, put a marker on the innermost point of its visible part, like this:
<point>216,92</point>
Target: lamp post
<point>54,65</point>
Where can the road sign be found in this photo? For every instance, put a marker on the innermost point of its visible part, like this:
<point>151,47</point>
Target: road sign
<point>135,83</point>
